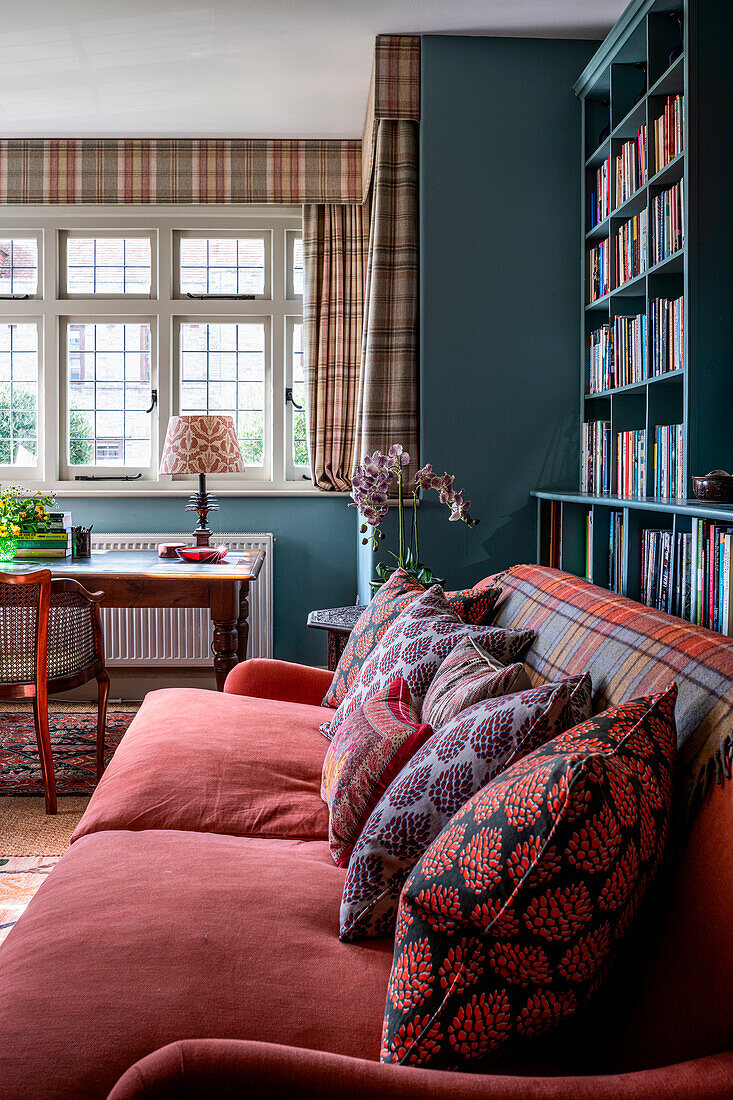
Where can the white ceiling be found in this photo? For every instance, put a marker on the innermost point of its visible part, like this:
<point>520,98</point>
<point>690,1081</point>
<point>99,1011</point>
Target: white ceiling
<point>230,68</point>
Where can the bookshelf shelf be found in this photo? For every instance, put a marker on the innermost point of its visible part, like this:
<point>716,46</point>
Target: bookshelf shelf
<point>656,90</point>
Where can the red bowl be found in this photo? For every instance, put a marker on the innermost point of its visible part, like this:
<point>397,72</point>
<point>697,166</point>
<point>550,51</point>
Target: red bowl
<point>205,555</point>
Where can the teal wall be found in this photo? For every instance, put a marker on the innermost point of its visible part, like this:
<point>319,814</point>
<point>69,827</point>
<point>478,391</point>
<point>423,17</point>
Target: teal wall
<point>500,287</point>
<point>315,564</point>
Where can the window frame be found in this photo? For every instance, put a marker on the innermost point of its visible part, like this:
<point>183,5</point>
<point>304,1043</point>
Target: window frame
<point>223,234</point>
<point>49,310</point>
<point>65,235</point>
<point>28,473</point>
<point>29,234</point>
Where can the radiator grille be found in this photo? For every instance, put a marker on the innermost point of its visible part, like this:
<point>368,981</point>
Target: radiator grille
<point>181,637</point>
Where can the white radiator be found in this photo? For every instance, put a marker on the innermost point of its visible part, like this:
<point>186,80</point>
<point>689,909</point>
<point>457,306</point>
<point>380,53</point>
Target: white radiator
<point>180,637</point>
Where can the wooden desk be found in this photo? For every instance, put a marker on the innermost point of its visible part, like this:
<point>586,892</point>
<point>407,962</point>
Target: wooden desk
<point>139,578</point>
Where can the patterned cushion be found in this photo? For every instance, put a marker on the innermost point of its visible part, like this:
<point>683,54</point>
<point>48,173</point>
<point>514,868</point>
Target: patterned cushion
<point>510,920</point>
<point>473,605</point>
<point>457,761</point>
<point>371,748</point>
<point>415,644</point>
<point>466,676</point>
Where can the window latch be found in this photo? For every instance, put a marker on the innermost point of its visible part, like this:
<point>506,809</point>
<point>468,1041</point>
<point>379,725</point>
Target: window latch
<point>14,297</point>
<point>153,400</point>
<point>108,477</point>
<point>289,397</point>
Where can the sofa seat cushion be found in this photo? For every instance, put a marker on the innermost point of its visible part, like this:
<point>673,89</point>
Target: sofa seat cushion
<point>138,939</point>
<point>209,762</point>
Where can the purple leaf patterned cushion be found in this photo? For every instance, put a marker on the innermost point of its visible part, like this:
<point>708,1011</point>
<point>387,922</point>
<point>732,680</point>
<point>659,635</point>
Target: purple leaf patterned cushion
<point>473,605</point>
<point>451,766</point>
<point>466,676</point>
<point>510,920</point>
<point>370,749</point>
<point>415,645</point>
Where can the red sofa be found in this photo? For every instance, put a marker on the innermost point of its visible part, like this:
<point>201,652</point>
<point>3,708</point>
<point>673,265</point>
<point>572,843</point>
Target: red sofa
<point>186,945</point>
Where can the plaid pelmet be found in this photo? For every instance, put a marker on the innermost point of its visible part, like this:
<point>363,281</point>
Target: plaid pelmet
<point>335,240</point>
<point>89,170</point>
<point>394,91</point>
<point>629,650</point>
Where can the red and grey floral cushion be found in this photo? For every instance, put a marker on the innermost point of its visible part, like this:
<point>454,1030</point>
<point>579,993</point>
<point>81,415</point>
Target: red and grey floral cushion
<point>415,645</point>
<point>454,763</point>
<point>370,749</point>
<point>473,605</point>
<point>509,922</point>
<point>466,676</point>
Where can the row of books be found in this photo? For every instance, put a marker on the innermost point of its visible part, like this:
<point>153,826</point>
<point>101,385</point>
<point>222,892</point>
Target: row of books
<point>689,575</point>
<point>55,542</point>
<point>631,166</point>
<point>668,222</point>
<point>669,477</point>
<point>631,248</point>
<point>618,353</point>
<point>631,463</point>
<point>599,273</point>
<point>669,131</point>
<point>667,322</point>
<point>599,206</point>
<point>596,457</point>
<point>616,551</point>
<point>660,587</point>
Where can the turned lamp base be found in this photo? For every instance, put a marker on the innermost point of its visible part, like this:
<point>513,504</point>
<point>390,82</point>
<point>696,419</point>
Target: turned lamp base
<point>203,503</point>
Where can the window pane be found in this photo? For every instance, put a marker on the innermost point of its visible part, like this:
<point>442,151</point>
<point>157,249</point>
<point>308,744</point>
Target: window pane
<point>18,265</point>
<point>298,265</point>
<point>222,265</point>
<point>223,371</point>
<point>109,380</point>
<point>18,394</point>
<point>300,440</point>
<point>108,265</point>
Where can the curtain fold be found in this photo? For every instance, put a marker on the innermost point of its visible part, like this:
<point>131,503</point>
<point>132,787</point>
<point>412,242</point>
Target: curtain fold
<point>387,409</point>
<point>335,241</point>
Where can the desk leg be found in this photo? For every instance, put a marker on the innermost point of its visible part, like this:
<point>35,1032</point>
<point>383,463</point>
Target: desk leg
<point>224,615</point>
<point>243,621</point>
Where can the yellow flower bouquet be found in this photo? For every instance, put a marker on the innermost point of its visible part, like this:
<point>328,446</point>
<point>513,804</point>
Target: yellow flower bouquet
<point>21,512</point>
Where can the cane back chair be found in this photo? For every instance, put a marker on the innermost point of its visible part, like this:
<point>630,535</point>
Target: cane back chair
<point>50,641</point>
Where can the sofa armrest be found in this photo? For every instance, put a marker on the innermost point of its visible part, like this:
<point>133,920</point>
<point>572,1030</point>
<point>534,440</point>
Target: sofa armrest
<point>266,679</point>
<point>220,1069</point>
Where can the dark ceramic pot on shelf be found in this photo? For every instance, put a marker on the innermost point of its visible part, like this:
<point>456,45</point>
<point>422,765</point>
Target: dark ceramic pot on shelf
<point>714,488</point>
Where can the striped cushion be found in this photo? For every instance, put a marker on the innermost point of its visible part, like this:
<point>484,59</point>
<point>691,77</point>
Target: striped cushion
<point>629,650</point>
<point>466,676</point>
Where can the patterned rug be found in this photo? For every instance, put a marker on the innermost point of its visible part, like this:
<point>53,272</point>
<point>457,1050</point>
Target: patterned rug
<point>73,744</point>
<point>20,877</point>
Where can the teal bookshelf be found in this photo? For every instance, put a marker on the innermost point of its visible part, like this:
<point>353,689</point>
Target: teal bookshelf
<point>658,49</point>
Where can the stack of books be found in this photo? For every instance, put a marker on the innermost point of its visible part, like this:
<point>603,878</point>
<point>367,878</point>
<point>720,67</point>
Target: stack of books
<point>669,131</point>
<point>601,360</point>
<point>667,320</point>
<point>600,199</point>
<point>596,457</point>
<point>631,248</point>
<point>631,463</point>
<point>599,271</point>
<point>629,349</point>
<point>616,552</point>
<point>669,478</point>
<point>631,168</point>
<point>55,542</point>
<point>668,236</point>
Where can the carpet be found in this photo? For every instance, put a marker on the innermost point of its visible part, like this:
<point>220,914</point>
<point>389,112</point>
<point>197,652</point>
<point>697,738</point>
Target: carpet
<point>73,744</point>
<point>27,830</point>
<point>20,877</point>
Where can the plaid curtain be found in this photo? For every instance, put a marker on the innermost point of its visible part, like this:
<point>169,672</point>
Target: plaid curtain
<point>335,260</point>
<point>388,385</point>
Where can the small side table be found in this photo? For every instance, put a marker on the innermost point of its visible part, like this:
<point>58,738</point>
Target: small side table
<point>339,622</point>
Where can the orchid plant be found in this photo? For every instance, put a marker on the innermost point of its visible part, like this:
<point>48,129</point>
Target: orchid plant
<point>373,484</point>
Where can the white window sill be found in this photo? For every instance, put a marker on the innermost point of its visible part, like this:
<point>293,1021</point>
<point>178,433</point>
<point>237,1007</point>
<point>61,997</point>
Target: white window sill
<point>124,489</point>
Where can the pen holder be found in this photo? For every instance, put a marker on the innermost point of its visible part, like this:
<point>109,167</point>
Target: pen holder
<point>81,542</point>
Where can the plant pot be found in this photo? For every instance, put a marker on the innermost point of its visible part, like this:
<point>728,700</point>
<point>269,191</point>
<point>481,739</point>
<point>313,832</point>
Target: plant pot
<point>8,547</point>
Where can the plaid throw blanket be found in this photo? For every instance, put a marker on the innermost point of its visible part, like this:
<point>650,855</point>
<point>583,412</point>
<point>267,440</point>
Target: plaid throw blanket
<point>630,650</point>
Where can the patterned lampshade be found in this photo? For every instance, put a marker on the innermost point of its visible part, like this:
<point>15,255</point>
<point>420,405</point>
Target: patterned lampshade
<point>201,445</point>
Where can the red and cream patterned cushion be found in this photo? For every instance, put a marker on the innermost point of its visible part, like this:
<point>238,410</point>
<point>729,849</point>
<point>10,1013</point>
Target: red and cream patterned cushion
<point>509,922</point>
<point>466,676</point>
<point>473,605</point>
<point>370,749</point>
<point>414,646</point>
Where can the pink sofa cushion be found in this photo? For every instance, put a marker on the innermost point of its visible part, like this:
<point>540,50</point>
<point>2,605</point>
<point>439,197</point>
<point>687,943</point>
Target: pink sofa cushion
<point>138,939</point>
<point>216,763</point>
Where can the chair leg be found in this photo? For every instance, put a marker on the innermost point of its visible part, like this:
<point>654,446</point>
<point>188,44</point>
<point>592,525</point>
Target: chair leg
<point>102,696</point>
<point>43,737</point>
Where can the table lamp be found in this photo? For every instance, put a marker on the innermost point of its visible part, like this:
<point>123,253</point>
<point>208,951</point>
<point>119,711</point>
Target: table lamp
<point>201,445</point>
